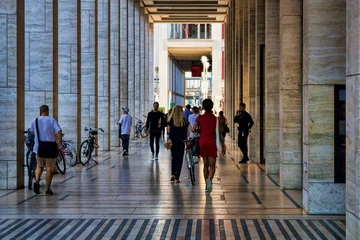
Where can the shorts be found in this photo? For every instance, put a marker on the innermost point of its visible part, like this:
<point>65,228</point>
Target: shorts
<point>45,162</point>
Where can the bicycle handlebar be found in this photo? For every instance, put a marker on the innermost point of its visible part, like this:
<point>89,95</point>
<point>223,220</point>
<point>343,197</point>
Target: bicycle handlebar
<point>89,129</point>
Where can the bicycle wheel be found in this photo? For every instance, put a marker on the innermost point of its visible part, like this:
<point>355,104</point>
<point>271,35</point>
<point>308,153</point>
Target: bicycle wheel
<point>193,168</point>
<point>70,154</point>
<point>84,153</point>
<point>31,165</point>
<point>143,132</point>
<point>60,163</point>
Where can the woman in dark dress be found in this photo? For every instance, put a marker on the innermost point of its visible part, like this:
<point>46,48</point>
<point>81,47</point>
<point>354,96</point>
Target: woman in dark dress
<point>207,142</point>
<point>177,129</point>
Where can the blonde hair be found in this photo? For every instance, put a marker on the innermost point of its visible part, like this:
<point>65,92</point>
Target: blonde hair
<point>177,116</point>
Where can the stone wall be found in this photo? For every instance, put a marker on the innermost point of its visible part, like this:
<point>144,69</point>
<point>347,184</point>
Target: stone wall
<point>324,66</point>
<point>69,57</point>
<point>12,83</point>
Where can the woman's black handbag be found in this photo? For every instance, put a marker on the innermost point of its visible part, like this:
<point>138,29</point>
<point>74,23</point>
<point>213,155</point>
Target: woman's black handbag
<point>46,149</point>
<point>226,129</point>
<point>195,149</point>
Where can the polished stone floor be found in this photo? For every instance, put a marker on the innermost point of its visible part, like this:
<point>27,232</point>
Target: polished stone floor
<point>132,198</point>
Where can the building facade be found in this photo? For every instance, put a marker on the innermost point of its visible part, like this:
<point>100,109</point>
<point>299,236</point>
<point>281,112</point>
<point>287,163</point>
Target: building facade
<point>183,45</point>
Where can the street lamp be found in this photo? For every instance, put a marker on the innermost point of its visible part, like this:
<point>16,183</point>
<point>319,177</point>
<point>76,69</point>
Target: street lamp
<point>204,82</point>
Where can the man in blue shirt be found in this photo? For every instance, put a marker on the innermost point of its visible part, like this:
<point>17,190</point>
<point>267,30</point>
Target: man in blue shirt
<point>49,131</point>
<point>187,112</point>
<point>125,128</point>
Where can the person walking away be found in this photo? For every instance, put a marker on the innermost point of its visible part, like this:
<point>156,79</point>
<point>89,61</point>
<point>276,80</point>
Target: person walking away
<point>207,141</point>
<point>177,129</point>
<point>223,124</point>
<point>154,122</point>
<point>49,131</point>
<point>245,123</point>
<point>192,119</point>
<point>187,112</point>
<point>125,124</point>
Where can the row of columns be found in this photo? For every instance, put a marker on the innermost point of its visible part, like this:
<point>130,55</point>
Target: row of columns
<point>310,47</point>
<point>85,59</point>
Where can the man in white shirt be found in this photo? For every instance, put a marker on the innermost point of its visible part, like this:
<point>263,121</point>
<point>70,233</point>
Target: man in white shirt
<point>125,128</point>
<point>49,131</point>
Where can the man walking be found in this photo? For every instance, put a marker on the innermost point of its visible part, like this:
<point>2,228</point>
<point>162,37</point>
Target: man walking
<point>125,130</point>
<point>245,123</point>
<point>187,112</point>
<point>49,131</point>
<point>154,122</point>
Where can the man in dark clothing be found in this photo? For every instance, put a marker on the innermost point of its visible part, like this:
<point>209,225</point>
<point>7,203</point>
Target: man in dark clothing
<point>154,124</point>
<point>245,123</point>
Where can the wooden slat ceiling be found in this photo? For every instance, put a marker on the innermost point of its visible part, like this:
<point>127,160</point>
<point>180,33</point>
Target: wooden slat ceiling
<point>186,11</point>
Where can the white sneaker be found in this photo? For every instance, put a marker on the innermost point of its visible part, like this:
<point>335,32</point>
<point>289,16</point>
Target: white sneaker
<point>152,156</point>
<point>156,157</point>
<point>209,185</point>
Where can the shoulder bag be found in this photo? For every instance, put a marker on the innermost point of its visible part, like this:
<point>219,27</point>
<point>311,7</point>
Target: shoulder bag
<point>46,149</point>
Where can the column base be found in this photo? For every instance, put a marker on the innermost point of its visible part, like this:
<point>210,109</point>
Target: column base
<point>352,226</point>
<point>324,198</point>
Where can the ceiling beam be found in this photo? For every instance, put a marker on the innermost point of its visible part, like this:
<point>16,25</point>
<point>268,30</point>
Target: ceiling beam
<point>186,6</point>
<point>187,14</point>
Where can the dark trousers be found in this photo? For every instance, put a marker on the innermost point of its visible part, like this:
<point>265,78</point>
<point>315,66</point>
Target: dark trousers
<point>177,154</point>
<point>242,143</point>
<point>125,138</point>
<point>155,136</point>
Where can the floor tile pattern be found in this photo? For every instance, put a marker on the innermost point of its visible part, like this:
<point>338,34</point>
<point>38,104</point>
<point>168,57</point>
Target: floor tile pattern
<point>171,229</point>
<point>131,197</point>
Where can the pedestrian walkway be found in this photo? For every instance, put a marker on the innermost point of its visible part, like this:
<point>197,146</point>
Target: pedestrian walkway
<point>132,197</point>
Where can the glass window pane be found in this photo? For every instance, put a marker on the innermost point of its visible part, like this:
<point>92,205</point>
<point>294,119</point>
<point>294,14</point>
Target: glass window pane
<point>208,30</point>
<point>202,31</point>
<point>177,31</point>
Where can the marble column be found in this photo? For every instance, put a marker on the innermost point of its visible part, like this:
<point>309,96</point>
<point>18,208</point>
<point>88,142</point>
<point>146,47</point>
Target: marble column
<point>151,65</point>
<point>142,62</point>
<point>232,55</point>
<point>137,61</point>
<point>259,43</point>
<point>68,114</point>
<point>324,66</point>
<point>12,79</point>
<point>115,69</point>
<point>290,94</point>
<point>104,84</point>
<point>131,55</point>
<point>88,65</point>
<point>123,55</point>
<point>245,47</point>
<point>272,101</point>
<point>39,58</point>
<point>147,61</point>
<point>352,119</point>
<point>251,75</point>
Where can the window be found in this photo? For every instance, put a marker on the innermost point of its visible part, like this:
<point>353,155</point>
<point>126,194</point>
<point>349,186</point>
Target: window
<point>202,31</point>
<point>340,134</point>
<point>208,31</point>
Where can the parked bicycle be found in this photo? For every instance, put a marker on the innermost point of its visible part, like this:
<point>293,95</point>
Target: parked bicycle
<point>60,162</point>
<point>30,156</point>
<point>140,129</point>
<point>69,152</point>
<point>87,146</point>
<point>190,160</point>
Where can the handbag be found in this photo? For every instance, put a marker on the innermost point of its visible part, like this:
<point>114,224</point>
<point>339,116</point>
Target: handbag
<point>46,149</point>
<point>195,148</point>
<point>168,144</point>
<point>226,129</point>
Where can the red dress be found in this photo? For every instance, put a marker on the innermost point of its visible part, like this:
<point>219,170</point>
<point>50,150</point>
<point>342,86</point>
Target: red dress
<point>207,142</point>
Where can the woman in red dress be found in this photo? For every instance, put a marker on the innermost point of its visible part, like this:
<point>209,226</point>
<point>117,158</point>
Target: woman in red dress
<point>207,143</point>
